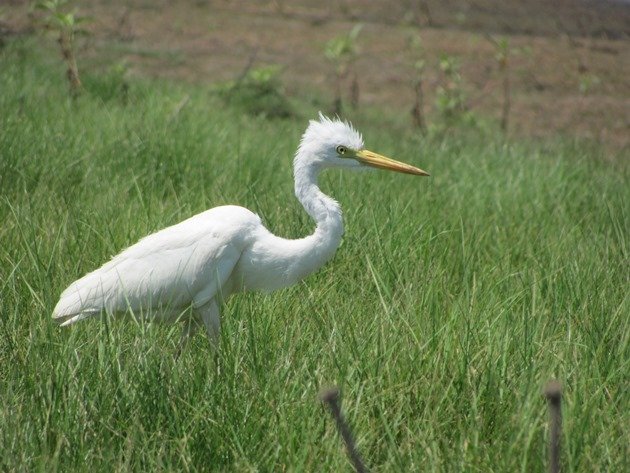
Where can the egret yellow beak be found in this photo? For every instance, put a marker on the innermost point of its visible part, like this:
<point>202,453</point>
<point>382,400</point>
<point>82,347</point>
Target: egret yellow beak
<point>377,161</point>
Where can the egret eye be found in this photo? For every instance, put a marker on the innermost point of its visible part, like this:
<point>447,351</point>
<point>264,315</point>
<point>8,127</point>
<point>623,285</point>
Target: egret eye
<point>342,150</point>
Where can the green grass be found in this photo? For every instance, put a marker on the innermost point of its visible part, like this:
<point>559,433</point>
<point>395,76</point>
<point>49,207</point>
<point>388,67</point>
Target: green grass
<point>449,304</point>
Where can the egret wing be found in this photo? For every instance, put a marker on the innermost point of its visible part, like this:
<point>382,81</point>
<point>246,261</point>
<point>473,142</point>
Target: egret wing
<point>183,264</point>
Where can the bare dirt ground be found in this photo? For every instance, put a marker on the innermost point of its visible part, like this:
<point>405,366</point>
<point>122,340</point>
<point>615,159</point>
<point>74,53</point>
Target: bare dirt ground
<point>569,70</point>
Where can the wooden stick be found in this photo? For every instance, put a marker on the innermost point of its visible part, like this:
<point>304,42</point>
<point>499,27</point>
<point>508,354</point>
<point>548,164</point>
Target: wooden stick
<point>331,398</point>
<point>553,393</point>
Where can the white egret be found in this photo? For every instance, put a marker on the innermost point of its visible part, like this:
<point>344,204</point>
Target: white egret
<point>199,262</point>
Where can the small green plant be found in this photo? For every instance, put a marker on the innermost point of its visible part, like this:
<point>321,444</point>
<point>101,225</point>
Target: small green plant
<point>502,56</point>
<point>450,100</point>
<point>259,91</point>
<point>342,52</point>
<point>67,25</point>
<point>419,65</point>
<point>588,82</point>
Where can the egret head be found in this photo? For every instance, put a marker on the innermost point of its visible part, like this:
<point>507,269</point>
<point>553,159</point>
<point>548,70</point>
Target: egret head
<point>334,143</point>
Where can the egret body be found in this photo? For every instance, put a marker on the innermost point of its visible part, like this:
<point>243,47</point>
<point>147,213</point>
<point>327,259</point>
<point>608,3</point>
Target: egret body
<point>201,261</point>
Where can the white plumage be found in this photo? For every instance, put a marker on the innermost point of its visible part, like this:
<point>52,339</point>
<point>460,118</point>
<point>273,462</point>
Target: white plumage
<point>206,258</point>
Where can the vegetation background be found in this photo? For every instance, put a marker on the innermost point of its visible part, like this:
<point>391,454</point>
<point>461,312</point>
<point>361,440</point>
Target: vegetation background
<point>452,299</point>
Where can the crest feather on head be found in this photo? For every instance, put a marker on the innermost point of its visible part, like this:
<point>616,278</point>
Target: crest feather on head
<point>332,132</point>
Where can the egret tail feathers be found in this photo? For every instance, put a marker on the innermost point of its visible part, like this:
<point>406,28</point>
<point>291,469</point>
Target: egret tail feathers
<point>64,321</point>
<point>69,319</point>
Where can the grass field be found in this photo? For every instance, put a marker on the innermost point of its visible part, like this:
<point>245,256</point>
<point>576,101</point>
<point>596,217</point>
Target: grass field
<point>449,304</point>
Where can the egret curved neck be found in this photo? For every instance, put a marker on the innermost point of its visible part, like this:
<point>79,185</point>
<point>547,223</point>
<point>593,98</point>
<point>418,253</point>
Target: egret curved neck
<point>274,262</point>
<point>323,209</point>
